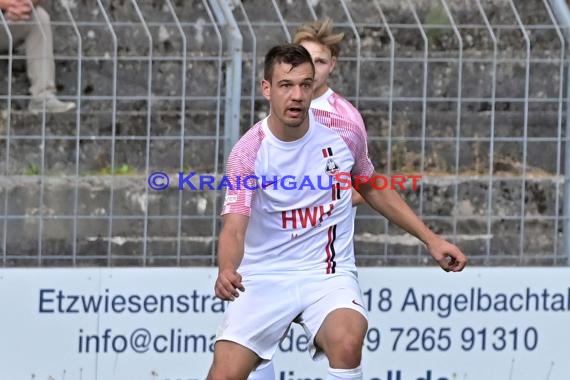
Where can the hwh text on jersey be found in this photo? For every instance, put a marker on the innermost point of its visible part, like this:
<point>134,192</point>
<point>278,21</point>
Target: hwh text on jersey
<point>302,217</point>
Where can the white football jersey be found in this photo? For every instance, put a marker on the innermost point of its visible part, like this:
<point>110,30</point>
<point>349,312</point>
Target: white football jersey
<point>300,218</point>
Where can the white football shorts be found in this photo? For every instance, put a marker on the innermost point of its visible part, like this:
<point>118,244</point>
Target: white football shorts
<point>260,317</point>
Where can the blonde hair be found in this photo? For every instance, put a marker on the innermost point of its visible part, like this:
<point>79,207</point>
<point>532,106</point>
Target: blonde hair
<point>322,33</point>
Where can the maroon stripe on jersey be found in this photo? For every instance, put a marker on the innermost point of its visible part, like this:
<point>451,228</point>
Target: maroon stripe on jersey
<point>331,264</point>
<point>328,249</point>
<point>335,191</point>
<point>327,152</point>
<point>333,253</point>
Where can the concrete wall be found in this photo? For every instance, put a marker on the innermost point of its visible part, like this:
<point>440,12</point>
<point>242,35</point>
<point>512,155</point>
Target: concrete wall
<point>24,187</point>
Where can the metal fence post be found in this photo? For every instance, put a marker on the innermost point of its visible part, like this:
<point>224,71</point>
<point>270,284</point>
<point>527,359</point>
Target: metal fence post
<point>184,56</point>
<point>559,126</point>
<point>562,14</point>
<point>525,126</point>
<point>148,125</point>
<point>43,145</point>
<point>109,24</point>
<point>491,128</point>
<point>458,117</point>
<point>223,11</point>
<point>78,129</point>
<point>6,28</point>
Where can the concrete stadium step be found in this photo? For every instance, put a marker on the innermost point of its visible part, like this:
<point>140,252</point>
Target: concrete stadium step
<point>130,149</point>
<point>378,250</point>
<point>95,144</point>
<point>96,121</point>
<point>199,210</point>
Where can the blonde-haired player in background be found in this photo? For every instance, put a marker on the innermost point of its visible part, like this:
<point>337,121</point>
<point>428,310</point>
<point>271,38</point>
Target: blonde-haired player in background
<point>323,43</point>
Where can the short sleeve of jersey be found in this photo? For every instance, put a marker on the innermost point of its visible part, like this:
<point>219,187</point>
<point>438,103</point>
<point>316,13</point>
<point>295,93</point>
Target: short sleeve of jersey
<point>359,147</point>
<point>240,173</point>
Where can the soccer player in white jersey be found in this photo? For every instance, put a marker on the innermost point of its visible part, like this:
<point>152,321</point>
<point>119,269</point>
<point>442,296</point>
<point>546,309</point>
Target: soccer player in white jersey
<point>323,44</point>
<point>285,251</point>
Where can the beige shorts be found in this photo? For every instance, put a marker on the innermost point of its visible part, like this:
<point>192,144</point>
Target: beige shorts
<point>260,317</point>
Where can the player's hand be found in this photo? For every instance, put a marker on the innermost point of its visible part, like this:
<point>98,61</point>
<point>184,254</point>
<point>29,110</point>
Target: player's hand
<point>227,284</point>
<point>448,256</point>
<point>19,10</point>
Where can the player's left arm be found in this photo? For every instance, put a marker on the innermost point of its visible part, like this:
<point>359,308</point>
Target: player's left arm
<point>390,204</point>
<point>394,208</point>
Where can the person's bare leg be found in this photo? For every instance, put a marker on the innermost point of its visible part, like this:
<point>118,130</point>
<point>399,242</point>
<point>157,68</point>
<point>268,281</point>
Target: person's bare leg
<point>341,337</point>
<point>232,361</point>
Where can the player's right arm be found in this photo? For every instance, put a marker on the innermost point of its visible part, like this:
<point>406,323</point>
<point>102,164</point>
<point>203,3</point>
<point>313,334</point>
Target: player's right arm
<point>230,254</point>
<point>235,213</point>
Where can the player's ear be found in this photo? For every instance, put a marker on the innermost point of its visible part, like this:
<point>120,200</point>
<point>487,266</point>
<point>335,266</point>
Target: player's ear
<point>266,89</point>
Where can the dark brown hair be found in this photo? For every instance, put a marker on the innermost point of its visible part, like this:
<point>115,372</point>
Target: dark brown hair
<point>291,54</point>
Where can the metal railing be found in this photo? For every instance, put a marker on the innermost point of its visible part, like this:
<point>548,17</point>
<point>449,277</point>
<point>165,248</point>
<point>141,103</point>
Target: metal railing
<point>472,100</point>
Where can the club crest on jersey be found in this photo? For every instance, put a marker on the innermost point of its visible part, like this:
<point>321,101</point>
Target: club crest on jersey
<point>331,167</point>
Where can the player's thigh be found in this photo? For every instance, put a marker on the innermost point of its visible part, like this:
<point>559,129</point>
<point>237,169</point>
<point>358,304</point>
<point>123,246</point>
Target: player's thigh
<point>342,334</point>
<point>232,361</point>
<point>336,313</point>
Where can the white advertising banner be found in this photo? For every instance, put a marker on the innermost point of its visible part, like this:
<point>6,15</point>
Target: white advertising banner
<point>160,324</point>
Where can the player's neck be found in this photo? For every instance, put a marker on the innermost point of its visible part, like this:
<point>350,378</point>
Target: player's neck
<point>320,92</point>
<point>287,133</point>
